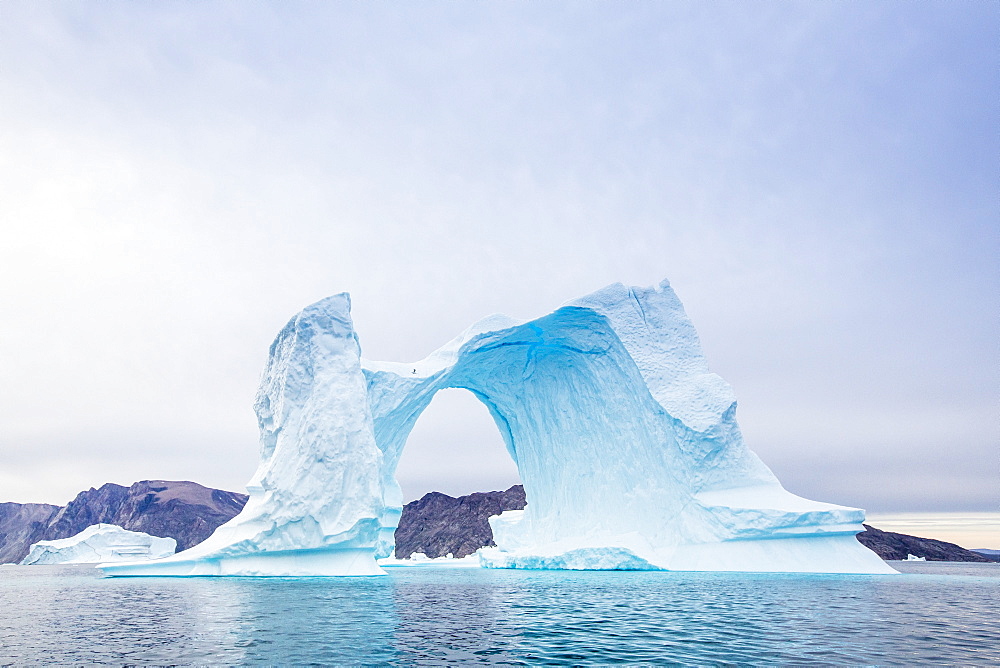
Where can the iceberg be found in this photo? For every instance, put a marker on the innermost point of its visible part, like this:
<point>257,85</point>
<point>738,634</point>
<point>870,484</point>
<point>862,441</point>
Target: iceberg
<point>100,543</point>
<point>627,446</point>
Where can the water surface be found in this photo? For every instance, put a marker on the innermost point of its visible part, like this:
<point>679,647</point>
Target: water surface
<point>934,613</point>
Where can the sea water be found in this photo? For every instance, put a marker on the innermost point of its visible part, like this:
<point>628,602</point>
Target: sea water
<point>933,613</point>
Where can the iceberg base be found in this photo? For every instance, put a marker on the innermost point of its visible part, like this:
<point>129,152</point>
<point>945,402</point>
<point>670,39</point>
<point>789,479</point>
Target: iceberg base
<point>840,554</point>
<point>293,563</point>
<point>582,559</point>
<point>810,554</point>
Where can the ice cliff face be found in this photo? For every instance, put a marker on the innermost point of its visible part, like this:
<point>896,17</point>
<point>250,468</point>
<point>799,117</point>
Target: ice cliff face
<point>626,443</point>
<point>100,543</point>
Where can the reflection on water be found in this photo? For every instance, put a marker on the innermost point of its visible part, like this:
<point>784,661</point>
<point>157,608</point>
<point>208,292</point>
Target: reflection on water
<point>934,613</point>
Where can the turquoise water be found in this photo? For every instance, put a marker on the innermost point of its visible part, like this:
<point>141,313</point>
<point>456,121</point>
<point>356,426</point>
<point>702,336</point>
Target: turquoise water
<point>935,613</point>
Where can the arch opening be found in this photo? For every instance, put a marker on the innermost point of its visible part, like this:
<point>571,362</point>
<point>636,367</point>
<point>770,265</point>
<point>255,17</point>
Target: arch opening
<point>454,448</point>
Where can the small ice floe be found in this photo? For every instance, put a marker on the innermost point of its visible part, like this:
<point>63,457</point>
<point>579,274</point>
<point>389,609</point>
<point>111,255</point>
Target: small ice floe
<point>100,543</point>
<point>912,557</point>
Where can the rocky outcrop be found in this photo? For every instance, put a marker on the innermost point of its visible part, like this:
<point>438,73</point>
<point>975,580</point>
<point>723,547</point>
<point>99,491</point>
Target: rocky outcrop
<point>438,524</point>
<point>184,511</point>
<point>21,525</point>
<point>896,546</point>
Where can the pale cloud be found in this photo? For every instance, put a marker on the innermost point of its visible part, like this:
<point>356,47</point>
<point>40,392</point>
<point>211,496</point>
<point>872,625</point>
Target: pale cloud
<point>818,182</point>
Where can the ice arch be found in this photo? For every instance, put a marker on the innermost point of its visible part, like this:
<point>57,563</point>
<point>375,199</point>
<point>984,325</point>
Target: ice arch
<point>627,446</point>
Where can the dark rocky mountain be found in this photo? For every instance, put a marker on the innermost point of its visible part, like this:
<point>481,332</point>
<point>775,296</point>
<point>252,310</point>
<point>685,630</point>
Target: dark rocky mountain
<point>895,546</point>
<point>184,511</point>
<point>21,525</point>
<point>438,524</point>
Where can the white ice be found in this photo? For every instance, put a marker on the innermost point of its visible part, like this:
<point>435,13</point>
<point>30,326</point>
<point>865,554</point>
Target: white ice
<point>626,443</point>
<point>100,543</point>
<point>419,559</point>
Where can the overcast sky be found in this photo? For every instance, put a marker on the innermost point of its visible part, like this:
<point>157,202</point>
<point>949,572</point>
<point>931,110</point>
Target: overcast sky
<point>817,180</point>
